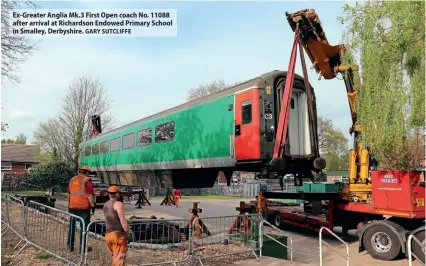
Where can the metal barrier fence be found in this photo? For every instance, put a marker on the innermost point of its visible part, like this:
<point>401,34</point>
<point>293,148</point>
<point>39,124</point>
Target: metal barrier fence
<point>338,238</point>
<point>14,220</point>
<point>15,212</point>
<point>43,227</point>
<point>289,247</point>
<point>4,213</point>
<point>226,235</point>
<point>409,247</point>
<point>154,241</point>
<point>49,229</point>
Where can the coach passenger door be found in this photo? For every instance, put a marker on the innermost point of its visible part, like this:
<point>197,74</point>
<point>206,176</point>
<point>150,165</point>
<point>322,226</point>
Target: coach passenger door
<point>247,131</point>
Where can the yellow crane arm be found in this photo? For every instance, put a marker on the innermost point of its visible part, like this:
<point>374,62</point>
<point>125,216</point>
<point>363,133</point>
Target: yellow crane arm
<point>327,61</point>
<point>325,58</point>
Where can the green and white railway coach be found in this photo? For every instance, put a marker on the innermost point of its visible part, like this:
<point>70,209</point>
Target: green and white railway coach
<point>232,130</point>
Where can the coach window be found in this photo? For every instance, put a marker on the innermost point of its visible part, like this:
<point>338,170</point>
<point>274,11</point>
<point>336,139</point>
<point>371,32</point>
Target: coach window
<point>165,132</point>
<point>128,141</point>
<point>104,147</point>
<point>292,103</point>
<point>115,144</point>
<point>95,149</point>
<point>145,137</point>
<point>87,151</point>
<point>246,109</point>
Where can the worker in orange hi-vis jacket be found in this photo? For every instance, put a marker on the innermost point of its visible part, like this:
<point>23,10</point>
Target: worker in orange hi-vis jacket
<point>176,196</point>
<point>117,228</point>
<point>80,202</point>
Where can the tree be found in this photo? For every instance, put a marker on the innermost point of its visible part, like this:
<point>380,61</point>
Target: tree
<point>50,174</point>
<point>325,126</point>
<point>45,158</point>
<point>62,134</point>
<point>386,39</point>
<point>4,126</point>
<point>20,139</point>
<point>8,141</point>
<point>204,90</point>
<point>14,49</point>
<point>332,144</point>
<point>50,137</point>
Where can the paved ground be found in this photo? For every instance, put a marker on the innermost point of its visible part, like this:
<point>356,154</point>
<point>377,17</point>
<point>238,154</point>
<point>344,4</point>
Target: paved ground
<point>266,261</point>
<point>305,243</point>
<point>209,208</point>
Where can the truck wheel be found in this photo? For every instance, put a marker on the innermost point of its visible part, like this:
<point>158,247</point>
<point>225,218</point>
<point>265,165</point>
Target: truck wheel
<point>277,220</point>
<point>417,249</point>
<point>381,243</point>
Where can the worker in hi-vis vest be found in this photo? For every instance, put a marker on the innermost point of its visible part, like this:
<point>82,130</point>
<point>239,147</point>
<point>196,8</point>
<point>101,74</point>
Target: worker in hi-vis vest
<point>80,202</point>
<point>176,196</point>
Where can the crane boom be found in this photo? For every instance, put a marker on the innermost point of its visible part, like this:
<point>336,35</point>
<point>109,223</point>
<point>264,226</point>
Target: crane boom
<point>327,61</point>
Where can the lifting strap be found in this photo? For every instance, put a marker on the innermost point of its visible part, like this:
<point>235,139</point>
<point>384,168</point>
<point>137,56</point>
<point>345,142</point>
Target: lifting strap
<point>285,106</point>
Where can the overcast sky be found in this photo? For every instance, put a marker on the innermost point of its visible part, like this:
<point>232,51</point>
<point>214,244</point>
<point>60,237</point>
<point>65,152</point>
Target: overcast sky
<point>233,41</point>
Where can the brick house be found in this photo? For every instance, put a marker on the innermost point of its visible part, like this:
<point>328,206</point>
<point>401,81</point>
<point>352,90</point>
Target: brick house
<point>18,157</point>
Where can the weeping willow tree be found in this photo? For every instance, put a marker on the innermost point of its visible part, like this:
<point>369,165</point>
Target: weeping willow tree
<point>386,39</point>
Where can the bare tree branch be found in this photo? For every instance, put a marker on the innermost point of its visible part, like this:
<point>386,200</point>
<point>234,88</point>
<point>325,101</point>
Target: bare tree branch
<point>204,90</point>
<point>14,49</point>
<point>4,126</point>
<point>85,97</point>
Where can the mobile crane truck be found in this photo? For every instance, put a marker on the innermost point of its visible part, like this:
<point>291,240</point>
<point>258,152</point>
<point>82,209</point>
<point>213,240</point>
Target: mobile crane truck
<point>384,206</point>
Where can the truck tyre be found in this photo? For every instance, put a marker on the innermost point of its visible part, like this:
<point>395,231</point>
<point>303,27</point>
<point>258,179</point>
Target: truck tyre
<point>382,243</point>
<point>278,220</point>
<point>417,249</point>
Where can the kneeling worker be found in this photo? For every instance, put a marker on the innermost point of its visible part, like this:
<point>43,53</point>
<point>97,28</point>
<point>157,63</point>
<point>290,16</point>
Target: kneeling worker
<point>116,227</point>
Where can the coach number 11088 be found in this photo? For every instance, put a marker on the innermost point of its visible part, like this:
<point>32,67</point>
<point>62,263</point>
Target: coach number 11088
<point>160,15</point>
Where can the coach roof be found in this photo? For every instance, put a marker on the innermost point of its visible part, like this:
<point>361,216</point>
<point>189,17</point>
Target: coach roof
<point>260,81</point>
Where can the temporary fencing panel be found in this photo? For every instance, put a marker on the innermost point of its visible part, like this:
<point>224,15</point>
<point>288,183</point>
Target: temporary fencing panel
<point>15,210</point>
<point>154,241</point>
<point>47,228</point>
<point>4,212</point>
<point>226,235</point>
